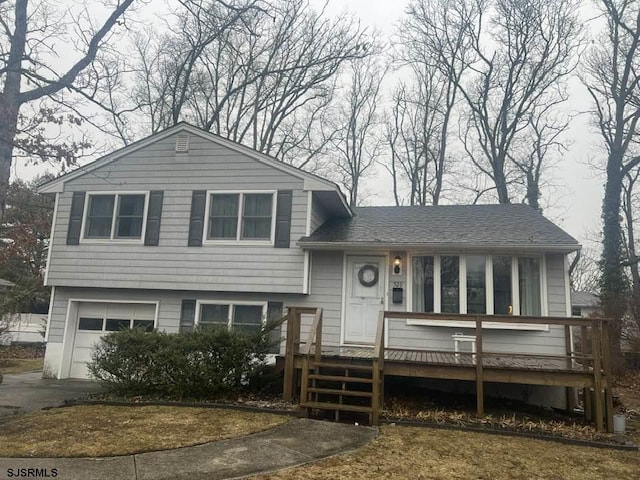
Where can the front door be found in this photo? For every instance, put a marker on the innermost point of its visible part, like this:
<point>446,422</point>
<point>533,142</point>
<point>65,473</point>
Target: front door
<point>364,298</point>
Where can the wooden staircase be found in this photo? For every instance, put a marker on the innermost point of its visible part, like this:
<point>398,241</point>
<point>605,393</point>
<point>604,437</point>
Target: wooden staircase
<point>342,386</point>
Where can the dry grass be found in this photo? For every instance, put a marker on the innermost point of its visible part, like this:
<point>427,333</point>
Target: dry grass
<point>22,365</point>
<point>423,453</point>
<point>97,431</point>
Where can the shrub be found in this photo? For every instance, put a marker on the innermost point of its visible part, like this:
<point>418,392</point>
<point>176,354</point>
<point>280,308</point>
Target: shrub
<point>200,364</point>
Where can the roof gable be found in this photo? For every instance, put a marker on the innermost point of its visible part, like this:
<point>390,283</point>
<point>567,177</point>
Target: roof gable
<point>311,181</point>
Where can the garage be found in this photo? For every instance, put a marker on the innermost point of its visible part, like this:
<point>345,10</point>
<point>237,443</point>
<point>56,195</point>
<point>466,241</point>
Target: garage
<point>95,319</point>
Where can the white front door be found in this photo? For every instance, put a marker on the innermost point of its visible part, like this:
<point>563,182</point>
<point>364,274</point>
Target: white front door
<point>364,298</point>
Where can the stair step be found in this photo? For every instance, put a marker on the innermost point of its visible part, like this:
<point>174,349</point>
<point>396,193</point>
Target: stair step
<point>335,406</point>
<point>336,378</point>
<point>344,366</point>
<point>337,391</point>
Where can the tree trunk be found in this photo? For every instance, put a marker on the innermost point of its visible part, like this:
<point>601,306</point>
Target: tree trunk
<point>501,183</point>
<point>8,121</point>
<point>613,286</point>
<point>10,99</point>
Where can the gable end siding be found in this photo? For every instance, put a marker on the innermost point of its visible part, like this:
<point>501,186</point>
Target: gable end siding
<point>173,264</point>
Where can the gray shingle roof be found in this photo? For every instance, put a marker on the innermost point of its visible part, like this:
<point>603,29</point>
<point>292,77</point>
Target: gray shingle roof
<point>584,299</point>
<point>451,225</point>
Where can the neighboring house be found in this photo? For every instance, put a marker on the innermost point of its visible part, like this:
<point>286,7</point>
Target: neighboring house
<point>186,228</point>
<point>584,304</point>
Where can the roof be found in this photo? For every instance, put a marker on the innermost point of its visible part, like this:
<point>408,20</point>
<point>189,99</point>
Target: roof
<point>456,226</point>
<point>584,299</point>
<point>312,182</point>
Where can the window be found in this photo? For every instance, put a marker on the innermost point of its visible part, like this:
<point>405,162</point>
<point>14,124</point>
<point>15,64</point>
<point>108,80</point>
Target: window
<point>241,216</point>
<point>92,324</point>
<point>529,286</point>
<point>246,317</point>
<point>502,299</point>
<point>223,222</point>
<point>115,216</point>
<point>423,298</point>
<point>449,284</point>
<point>113,316</point>
<point>477,284</point>
<point>576,312</point>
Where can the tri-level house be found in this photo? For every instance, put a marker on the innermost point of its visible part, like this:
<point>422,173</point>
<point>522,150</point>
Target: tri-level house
<point>185,228</point>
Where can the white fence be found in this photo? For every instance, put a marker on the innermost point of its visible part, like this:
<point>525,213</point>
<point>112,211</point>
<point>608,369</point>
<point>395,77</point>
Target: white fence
<point>25,328</point>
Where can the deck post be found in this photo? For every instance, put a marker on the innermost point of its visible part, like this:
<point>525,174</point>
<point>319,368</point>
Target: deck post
<point>479,373</point>
<point>375,393</point>
<point>293,333</point>
<point>606,366</point>
<point>596,344</point>
<point>571,393</point>
<point>586,392</point>
<point>304,393</point>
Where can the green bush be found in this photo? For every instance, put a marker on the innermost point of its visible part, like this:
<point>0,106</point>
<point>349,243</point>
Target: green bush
<point>205,363</point>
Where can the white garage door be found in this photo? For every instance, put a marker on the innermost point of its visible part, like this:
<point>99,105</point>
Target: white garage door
<point>96,319</point>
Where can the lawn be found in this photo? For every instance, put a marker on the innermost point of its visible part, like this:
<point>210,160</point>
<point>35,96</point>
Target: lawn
<point>423,453</point>
<point>21,365</point>
<point>101,430</point>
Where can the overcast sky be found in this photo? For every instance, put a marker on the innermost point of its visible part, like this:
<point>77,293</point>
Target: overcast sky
<point>577,196</point>
<point>576,200</point>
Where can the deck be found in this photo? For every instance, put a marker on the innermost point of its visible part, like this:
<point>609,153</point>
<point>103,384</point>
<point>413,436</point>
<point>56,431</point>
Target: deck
<point>587,367</point>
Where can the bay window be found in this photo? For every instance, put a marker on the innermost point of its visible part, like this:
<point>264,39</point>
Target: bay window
<point>477,284</point>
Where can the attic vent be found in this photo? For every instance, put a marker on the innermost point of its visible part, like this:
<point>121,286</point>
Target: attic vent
<point>182,144</point>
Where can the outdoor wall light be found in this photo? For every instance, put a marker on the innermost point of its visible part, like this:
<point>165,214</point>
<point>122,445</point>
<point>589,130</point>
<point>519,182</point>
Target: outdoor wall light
<point>397,265</point>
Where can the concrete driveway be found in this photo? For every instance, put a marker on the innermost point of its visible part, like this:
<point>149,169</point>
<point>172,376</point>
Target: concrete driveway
<point>25,392</point>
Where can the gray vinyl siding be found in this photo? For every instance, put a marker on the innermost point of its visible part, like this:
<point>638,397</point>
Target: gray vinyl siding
<point>401,335</point>
<point>326,274</point>
<point>173,265</point>
<point>318,215</point>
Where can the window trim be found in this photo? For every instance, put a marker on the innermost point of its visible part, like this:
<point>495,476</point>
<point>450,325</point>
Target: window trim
<point>488,290</point>
<point>116,203</point>
<point>232,304</point>
<point>239,240</point>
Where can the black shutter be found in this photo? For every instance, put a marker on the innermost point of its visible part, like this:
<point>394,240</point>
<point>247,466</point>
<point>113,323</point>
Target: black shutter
<point>154,214</point>
<point>274,312</point>
<point>283,219</point>
<point>196,223</point>
<point>75,218</point>
<point>187,315</point>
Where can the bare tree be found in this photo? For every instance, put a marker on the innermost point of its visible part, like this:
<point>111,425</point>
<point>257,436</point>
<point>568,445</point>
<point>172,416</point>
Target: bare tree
<point>434,45</point>
<point>518,77</point>
<point>412,135</point>
<point>259,73</point>
<point>613,81</point>
<point>355,137</point>
<point>29,30</point>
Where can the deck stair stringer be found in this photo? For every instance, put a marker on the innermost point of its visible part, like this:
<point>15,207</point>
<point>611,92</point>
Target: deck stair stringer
<point>341,385</point>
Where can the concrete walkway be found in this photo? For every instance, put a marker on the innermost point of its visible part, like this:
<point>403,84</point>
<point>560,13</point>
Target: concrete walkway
<point>296,442</point>
<point>25,392</point>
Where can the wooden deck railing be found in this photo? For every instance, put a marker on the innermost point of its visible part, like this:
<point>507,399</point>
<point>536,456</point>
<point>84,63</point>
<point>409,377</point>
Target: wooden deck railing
<point>589,357</point>
<point>292,345</point>
<point>593,357</point>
